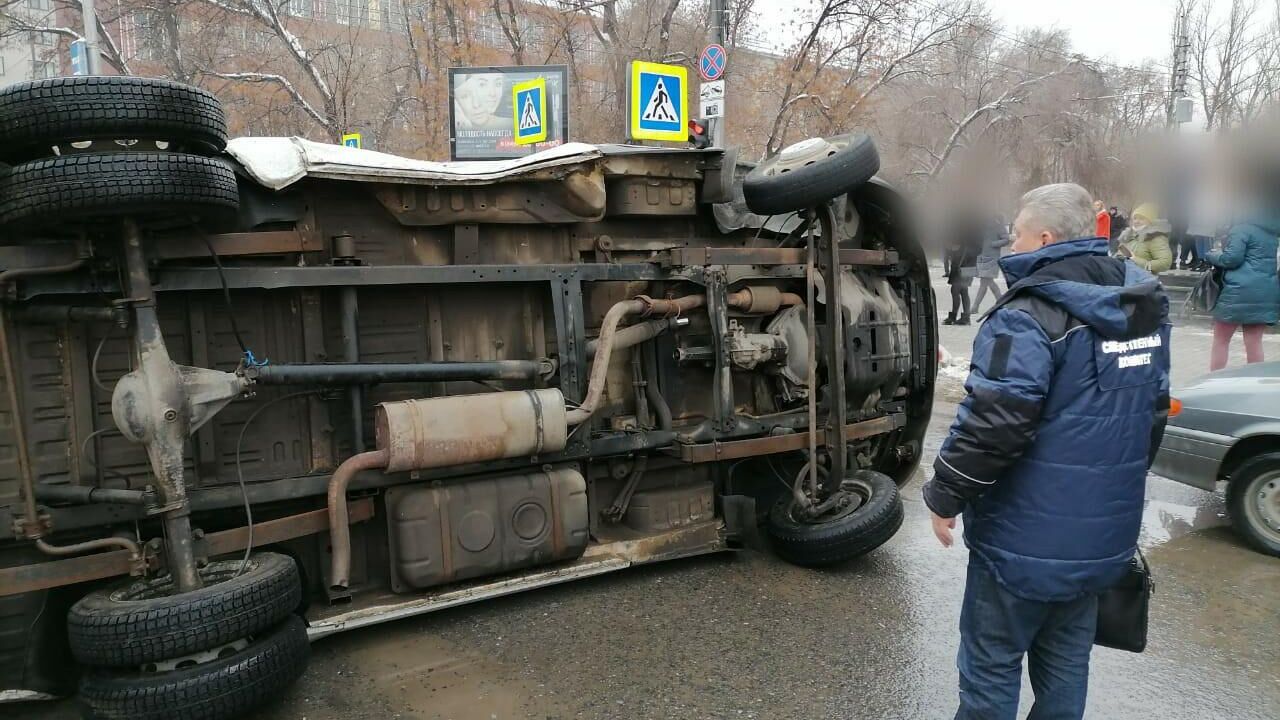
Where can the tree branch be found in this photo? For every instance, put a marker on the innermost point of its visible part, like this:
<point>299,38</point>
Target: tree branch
<point>256,77</point>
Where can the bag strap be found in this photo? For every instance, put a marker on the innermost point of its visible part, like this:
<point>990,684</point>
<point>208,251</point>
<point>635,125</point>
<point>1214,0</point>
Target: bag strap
<point>1146,571</point>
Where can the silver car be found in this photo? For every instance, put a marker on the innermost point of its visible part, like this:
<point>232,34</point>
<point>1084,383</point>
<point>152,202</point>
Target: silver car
<point>1226,426</point>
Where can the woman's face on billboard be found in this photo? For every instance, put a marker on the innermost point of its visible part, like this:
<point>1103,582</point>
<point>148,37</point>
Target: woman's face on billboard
<point>481,94</point>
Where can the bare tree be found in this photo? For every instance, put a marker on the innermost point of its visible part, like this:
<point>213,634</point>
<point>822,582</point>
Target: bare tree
<point>1223,58</point>
<point>807,62</point>
<point>16,19</point>
<point>992,111</point>
<point>509,20</point>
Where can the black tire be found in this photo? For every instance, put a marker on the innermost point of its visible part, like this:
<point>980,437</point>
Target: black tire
<point>144,621</point>
<point>843,536</point>
<point>148,185</point>
<point>1256,481</point>
<point>35,116</point>
<point>809,173</point>
<point>225,688</point>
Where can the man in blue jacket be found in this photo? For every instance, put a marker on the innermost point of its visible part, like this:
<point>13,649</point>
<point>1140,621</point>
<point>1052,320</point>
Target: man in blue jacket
<point>1047,459</point>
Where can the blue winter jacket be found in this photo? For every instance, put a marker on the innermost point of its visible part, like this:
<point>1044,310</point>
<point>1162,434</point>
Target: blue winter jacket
<point>1250,286</point>
<point>1067,395</point>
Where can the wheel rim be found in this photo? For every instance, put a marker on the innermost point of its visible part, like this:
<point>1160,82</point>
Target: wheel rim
<point>858,492</point>
<point>803,153</point>
<point>803,150</point>
<point>163,586</point>
<point>1263,506</point>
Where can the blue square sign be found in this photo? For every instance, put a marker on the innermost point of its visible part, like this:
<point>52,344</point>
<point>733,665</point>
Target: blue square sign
<point>529,111</point>
<point>659,110</point>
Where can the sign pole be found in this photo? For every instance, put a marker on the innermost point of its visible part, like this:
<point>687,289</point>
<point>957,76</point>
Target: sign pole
<point>93,61</point>
<point>719,31</point>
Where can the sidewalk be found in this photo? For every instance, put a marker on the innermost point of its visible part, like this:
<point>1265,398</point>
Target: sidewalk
<point>1190,342</point>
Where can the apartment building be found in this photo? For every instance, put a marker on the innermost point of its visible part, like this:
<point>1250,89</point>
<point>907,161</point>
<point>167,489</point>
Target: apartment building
<point>28,55</point>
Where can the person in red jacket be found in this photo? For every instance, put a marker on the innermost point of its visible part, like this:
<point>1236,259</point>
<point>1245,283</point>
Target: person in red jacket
<point>1104,219</point>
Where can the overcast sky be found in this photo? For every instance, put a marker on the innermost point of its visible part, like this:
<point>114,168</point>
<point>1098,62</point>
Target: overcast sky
<point>1124,31</point>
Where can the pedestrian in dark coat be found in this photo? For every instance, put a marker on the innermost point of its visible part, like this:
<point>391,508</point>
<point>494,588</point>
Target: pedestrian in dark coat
<point>1250,297</point>
<point>993,241</point>
<point>961,267</point>
<point>1118,225</point>
<point>1074,356</point>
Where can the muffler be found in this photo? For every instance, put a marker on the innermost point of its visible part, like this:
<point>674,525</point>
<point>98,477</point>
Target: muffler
<point>442,432</point>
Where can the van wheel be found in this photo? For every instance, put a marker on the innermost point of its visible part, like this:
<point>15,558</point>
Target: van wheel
<point>35,116</point>
<point>235,682</point>
<point>149,185</point>
<point>809,173</point>
<point>841,534</point>
<point>1253,501</point>
<point>146,621</point>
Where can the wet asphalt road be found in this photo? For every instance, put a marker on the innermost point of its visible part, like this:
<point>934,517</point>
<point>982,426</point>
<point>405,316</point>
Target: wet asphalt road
<point>747,636</point>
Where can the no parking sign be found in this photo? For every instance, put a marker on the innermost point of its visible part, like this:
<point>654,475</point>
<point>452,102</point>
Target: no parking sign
<point>712,62</point>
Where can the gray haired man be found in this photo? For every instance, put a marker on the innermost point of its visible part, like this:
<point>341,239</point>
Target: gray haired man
<point>1048,456</point>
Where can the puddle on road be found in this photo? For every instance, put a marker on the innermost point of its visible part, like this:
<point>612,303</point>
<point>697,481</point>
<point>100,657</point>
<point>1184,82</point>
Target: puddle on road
<point>1163,521</point>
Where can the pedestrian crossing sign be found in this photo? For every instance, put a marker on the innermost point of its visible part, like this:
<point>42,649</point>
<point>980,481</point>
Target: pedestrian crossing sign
<point>659,105</point>
<point>529,111</point>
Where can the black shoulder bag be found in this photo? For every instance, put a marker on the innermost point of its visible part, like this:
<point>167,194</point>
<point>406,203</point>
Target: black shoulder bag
<point>1123,608</point>
<point>1204,294</point>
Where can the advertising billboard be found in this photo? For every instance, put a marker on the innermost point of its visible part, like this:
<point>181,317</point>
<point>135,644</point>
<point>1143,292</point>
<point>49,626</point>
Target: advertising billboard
<point>483,116</point>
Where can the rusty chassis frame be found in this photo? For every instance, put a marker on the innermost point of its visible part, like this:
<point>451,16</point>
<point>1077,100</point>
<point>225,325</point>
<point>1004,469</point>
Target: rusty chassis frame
<point>725,435</point>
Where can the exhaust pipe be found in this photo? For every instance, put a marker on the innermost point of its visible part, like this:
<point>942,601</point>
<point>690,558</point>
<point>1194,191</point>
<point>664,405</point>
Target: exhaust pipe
<point>462,429</point>
<point>442,432</point>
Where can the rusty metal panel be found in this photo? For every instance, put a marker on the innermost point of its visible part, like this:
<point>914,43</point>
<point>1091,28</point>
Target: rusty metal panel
<point>773,256</point>
<point>441,432</point>
<point>733,449</point>
<point>47,405</point>
<point>269,532</point>
<point>651,162</point>
<point>320,425</point>
<point>274,242</point>
<point>633,196</point>
<point>576,197</point>
<point>485,526</point>
<point>55,573</point>
<point>205,441</point>
<point>466,244</point>
<point>669,508</point>
<point>75,357</point>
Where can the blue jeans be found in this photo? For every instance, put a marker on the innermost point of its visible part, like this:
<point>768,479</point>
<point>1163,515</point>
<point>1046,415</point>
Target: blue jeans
<point>1202,245</point>
<point>997,628</point>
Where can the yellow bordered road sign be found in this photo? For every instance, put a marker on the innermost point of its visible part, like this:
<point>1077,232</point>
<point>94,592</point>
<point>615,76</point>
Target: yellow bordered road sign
<point>529,111</point>
<point>353,140</point>
<point>659,102</point>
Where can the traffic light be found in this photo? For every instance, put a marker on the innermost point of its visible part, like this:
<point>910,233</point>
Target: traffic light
<point>698,134</point>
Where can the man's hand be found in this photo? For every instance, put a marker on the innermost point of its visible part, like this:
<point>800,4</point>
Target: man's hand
<point>942,528</point>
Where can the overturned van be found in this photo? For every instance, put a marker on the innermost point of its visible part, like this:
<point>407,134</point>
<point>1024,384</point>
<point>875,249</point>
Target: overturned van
<point>262,391</point>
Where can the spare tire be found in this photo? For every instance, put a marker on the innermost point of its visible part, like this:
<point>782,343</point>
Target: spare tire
<point>225,688</point>
<point>90,185</point>
<point>145,621</point>
<point>35,116</point>
<point>809,173</point>
<point>843,534</point>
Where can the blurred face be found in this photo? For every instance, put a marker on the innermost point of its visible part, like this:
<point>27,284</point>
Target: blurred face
<point>1098,206</point>
<point>1029,235</point>
<point>481,94</point>
<point>1140,222</point>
